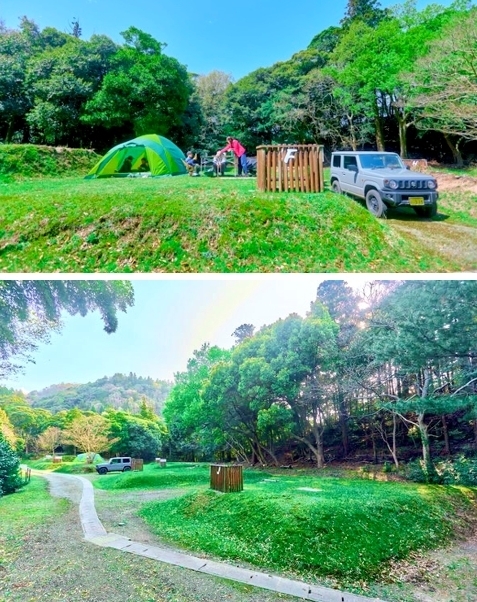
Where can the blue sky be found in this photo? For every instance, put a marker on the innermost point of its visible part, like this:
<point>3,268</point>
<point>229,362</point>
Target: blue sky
<point>170,319</point>
<point>233,37</point>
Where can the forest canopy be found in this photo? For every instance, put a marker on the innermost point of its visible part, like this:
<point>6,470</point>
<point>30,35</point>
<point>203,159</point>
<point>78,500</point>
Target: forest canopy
<point>386,373</point>
<point>393,79</point>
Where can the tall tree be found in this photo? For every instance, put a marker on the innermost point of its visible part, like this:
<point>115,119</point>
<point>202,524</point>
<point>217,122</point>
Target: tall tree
<point>90,434</point>
<point>244,331</point>
<point>444,83</point>
<point>421,334</point>
<point>366,11</point>
<point>145,91</point>
<point>49,439</point>
<point>210,92</point>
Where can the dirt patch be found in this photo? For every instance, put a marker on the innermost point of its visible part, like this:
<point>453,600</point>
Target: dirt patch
<point>455,245</point>
<point>117,510</point>
<point>450,242</point>
<point>455,183</point>
<point>446,575</point>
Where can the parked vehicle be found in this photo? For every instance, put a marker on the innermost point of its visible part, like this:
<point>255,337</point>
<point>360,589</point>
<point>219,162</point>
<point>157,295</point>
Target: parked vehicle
<point>383,180</point>
<point>122,464</point>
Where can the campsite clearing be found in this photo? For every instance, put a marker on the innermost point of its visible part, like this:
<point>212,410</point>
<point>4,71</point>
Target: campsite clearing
<point>182,224</point>
<point>45,557</point>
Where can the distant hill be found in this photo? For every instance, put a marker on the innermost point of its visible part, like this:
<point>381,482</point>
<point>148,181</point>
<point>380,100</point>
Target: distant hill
<point>119,391</point>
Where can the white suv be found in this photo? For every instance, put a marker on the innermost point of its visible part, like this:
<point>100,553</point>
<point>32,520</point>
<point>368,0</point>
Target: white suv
<point>114,465</point>
<point>383,181</point>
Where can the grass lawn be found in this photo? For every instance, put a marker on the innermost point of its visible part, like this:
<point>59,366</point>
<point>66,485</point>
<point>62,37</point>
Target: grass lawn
<point>342,529</point>
<point>23,511</point>
<point>184,224</point>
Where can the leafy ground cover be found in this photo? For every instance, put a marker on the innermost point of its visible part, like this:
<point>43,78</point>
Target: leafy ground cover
<point>187,224</point>
<point>346,530</point>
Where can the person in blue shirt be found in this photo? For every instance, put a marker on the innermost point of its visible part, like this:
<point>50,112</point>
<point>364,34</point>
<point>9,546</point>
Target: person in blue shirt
<point>192,165</point>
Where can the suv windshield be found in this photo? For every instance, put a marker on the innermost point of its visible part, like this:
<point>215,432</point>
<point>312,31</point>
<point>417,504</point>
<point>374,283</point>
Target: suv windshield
<point>380,161</point>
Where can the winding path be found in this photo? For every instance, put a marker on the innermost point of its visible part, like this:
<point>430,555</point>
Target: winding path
<point>95,533</point>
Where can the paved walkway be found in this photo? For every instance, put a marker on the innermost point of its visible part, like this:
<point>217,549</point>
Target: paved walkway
<point>95,533</point>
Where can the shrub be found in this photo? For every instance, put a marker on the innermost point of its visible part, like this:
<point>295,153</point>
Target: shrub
<point>415,471</point>
<point>69,458</point>
<point>10,478</point>
<point>458,471</point>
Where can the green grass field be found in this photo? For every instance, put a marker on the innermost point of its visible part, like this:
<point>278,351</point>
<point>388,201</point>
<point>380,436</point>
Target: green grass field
<point>187,224</point>
<point>342,529</point>
<point>23,511</point>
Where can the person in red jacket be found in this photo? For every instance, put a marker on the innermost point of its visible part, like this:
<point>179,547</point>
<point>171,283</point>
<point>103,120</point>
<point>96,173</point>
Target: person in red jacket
<point>239,152</point>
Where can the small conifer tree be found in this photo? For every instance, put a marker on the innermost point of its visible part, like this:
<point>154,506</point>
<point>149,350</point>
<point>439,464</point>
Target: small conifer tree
<point>10,478</point>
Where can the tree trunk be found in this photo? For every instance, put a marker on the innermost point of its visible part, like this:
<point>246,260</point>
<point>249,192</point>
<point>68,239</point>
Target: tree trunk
<point>394,445</point>
<point>375,450</point>
<point>402,135</point>
<point>426,448</point>
<point>343,418</point>
<point>316,450</point>
<point>454,148</point>
<point>445,432</point>
<point>10,131</point>
<point>379,129</point>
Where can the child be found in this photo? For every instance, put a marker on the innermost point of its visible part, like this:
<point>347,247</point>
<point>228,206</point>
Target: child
<point>219,161</point>
<point>191,164</point>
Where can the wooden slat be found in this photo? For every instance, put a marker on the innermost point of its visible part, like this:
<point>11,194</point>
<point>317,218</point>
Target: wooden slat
<point>304,173</point>
<point>261,169</point>
<point>226,478</point>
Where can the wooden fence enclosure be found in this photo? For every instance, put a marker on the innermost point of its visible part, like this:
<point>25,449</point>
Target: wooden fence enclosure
<point>226,478</point>
<point>137,464</point>
<point>285,167</point>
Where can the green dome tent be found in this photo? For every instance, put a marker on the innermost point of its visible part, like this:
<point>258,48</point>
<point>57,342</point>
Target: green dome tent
<point>162,157</point>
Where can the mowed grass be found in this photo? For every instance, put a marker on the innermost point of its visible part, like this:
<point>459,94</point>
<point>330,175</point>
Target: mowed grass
<point>21,512</point>
<point>342,529</point>
<point>184,224</point>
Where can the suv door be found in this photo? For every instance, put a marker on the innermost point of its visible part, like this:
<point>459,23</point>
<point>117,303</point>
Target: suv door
<point>115,464</point>
<point>349,174</point>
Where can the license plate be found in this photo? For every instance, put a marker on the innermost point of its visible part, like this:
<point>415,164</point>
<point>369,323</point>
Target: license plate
<point>416,200</point>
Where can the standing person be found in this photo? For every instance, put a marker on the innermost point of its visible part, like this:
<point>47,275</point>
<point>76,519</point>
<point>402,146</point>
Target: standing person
<point>239,152</point>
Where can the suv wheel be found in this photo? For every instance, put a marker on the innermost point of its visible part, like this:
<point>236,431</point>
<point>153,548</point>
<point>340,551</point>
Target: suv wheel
<point>335,187</point>
<point>126,468</point>
<point>102,470</point>
<point>375,204</point>
<point>426,211</point>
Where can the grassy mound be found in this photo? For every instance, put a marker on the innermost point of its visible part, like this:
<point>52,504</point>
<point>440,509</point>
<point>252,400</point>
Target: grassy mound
<point>31,160</point>
<point>343,529</point>
<point>184,224</point>
<point>153,477</point>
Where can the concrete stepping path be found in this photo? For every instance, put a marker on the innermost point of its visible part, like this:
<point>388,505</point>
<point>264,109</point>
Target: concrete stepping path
<point>95,533</point>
